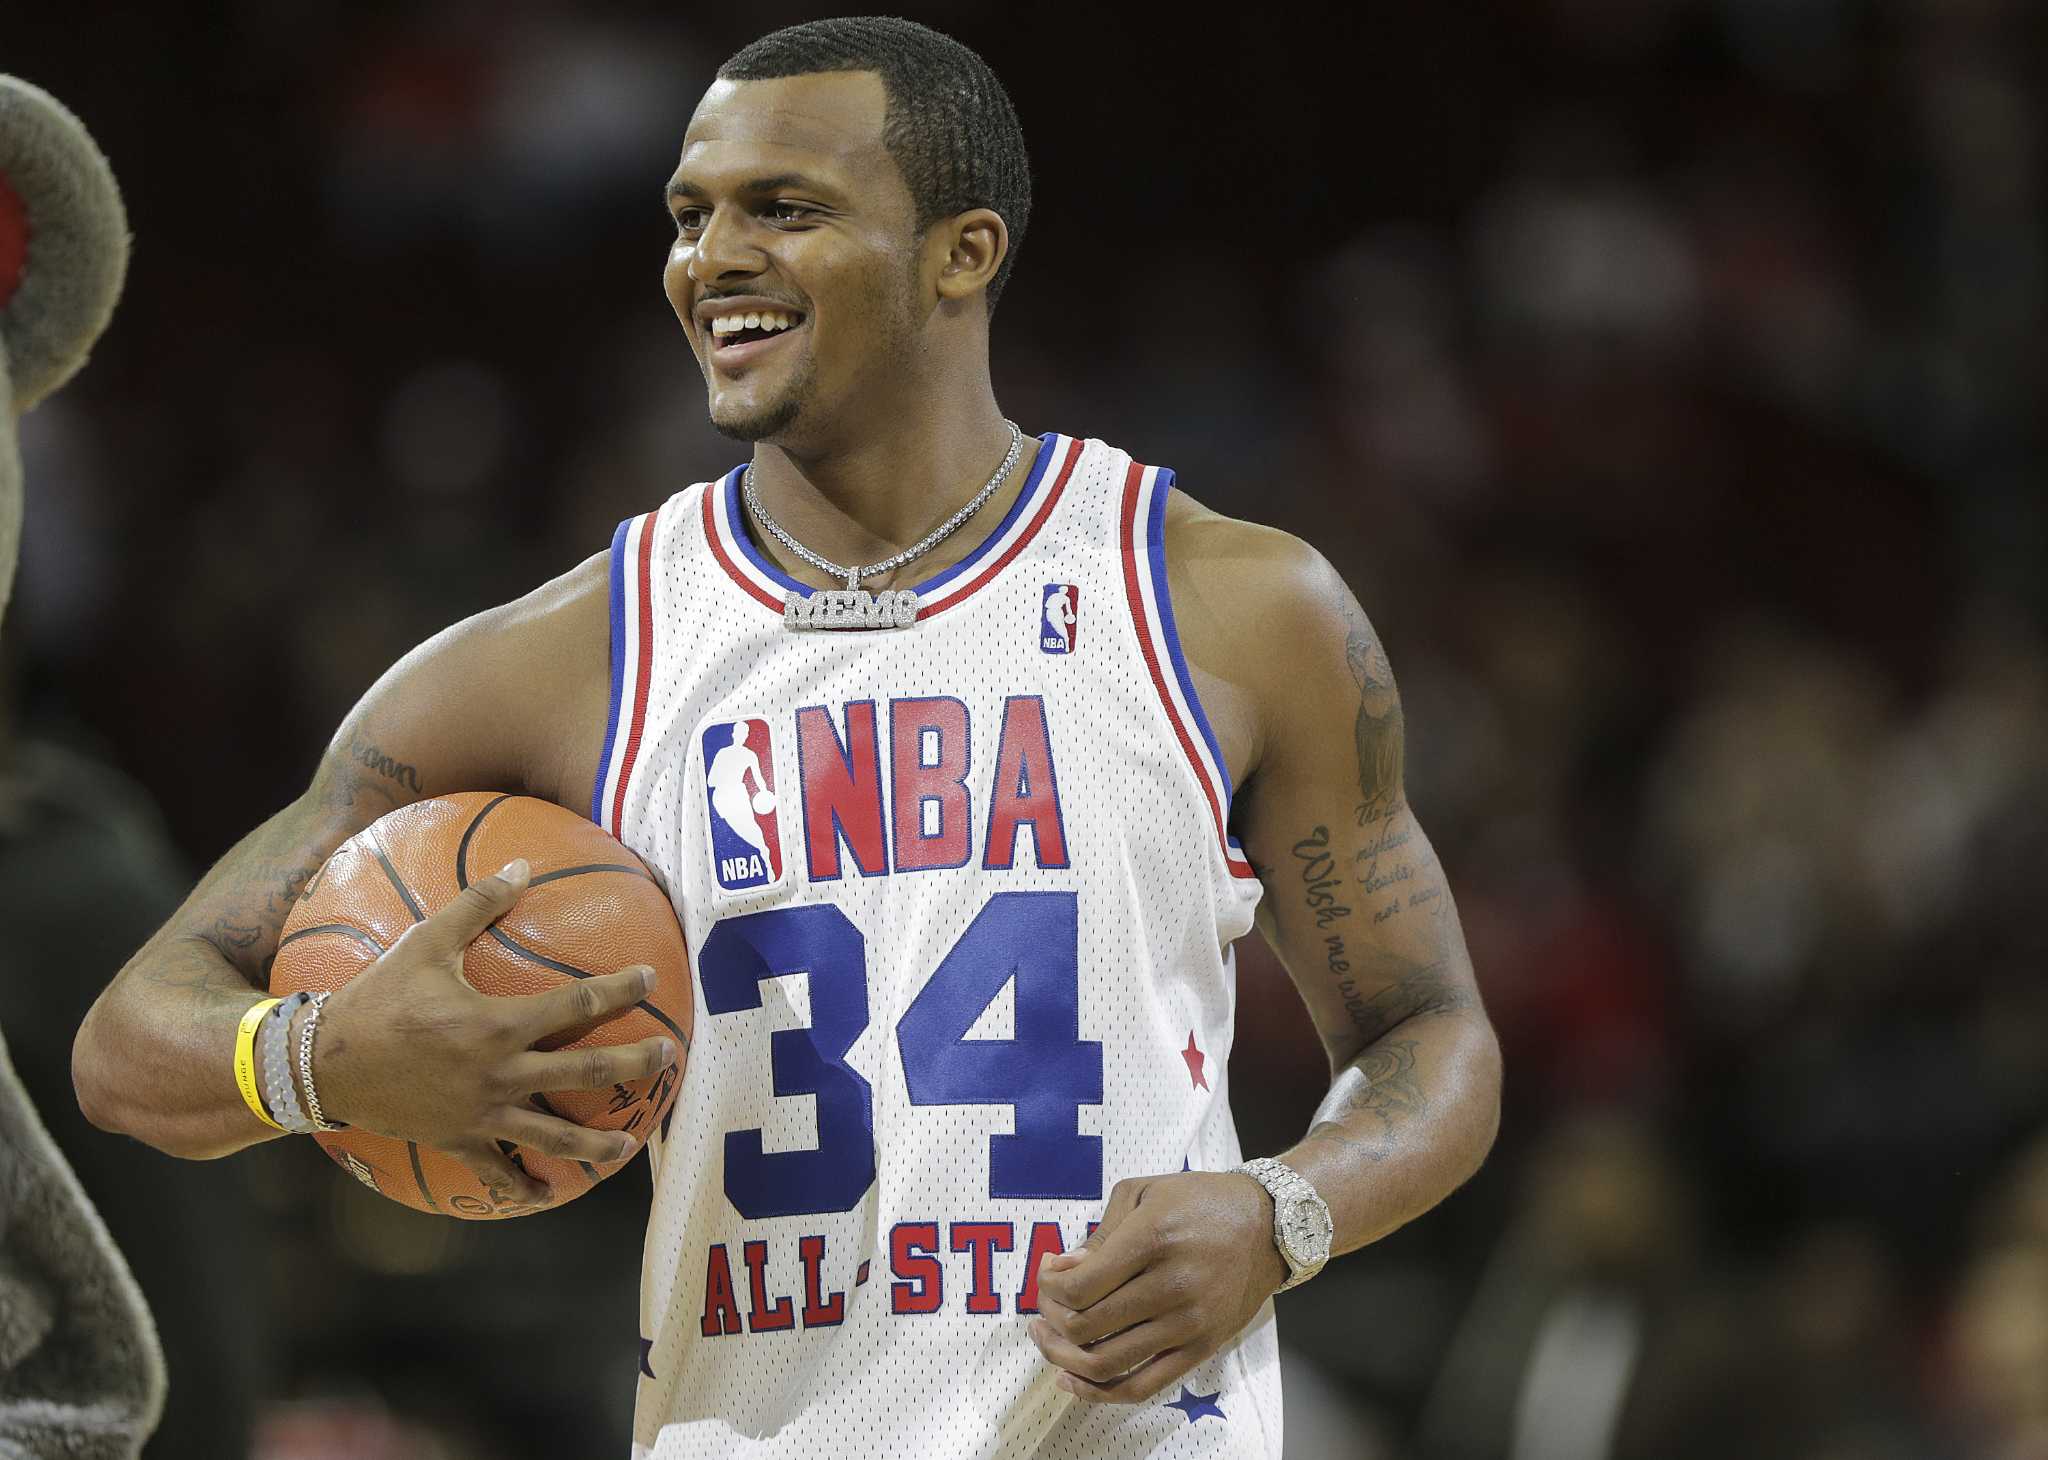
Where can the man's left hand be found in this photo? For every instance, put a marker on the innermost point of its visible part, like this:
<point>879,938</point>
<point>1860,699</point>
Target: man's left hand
<point>1176,1269</point>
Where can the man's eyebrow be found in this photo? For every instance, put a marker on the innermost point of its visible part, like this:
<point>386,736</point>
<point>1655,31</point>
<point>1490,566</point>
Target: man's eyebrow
<point>682,187</point>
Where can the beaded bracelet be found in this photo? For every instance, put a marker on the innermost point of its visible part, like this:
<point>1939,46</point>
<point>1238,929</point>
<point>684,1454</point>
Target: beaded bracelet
<point>320,1122</point>
<point>274,1065</point>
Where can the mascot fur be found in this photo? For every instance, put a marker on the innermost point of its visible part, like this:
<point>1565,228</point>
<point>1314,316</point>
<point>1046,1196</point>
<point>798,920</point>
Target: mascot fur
<point>81,1375</point>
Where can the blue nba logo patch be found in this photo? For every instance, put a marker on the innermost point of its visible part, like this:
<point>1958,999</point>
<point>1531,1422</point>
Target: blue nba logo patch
<point>1059,618</point>
<point>739,792</point>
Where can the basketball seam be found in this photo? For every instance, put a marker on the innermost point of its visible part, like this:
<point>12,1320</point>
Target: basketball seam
<point>462,847</point>
<point>419,1174</point>
<point>383,860</point>
<point>349,928</point>
<point>546,962</point>
<point>469,832</point>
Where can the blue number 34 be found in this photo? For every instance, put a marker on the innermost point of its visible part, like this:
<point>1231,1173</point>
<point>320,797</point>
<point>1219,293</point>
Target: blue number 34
<point>1045,1074</point>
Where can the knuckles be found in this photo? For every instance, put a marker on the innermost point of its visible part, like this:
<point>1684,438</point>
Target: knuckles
<point>1067,1323</point>
<point>1097,1367</point>
<point>588,1000</point>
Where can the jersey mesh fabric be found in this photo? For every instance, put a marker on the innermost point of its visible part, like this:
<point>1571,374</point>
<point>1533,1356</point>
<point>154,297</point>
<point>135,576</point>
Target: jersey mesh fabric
<point>1157,906</point>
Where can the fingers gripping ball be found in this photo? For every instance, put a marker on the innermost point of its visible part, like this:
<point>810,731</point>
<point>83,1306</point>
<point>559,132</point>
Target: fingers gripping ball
<point>591,907</point>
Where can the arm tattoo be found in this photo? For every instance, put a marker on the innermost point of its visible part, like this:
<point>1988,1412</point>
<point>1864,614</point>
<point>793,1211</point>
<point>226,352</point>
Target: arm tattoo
<point>1429,989</point>
<point>1380,1082</point>
<point>1319,877</point>
<point>1378,729</point>
<point>372,758</point>
<point>235,936</point>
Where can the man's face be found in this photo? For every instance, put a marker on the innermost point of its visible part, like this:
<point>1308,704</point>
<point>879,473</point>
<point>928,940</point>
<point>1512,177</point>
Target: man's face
<point>786,202</point>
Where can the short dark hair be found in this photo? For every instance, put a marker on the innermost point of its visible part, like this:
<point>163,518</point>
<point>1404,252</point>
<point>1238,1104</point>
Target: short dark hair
<point>949,125</point>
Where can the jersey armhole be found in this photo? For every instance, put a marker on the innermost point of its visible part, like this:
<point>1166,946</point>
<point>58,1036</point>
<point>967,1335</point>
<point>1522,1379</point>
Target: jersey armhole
<point>632,657</point>
<point>1146,489</point>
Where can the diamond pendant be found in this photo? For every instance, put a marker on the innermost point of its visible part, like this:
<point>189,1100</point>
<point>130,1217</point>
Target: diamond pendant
<point>849,608</point>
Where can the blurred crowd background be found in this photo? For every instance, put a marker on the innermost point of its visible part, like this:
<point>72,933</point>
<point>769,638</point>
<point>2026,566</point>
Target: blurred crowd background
<point>1666,376</point>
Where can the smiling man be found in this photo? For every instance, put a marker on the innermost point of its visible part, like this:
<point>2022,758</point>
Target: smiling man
<point>1031,740</point>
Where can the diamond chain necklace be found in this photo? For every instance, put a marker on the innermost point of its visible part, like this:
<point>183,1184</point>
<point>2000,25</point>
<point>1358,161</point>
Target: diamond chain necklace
<point>855,607</point>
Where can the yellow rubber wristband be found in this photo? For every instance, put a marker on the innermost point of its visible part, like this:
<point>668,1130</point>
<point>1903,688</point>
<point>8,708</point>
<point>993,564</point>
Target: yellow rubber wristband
<point>245,1059</point>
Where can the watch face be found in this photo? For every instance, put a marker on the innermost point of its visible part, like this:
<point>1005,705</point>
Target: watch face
<point>1305,1230</point>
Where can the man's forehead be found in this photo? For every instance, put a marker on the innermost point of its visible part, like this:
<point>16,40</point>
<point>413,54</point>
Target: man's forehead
<point>836,115</point>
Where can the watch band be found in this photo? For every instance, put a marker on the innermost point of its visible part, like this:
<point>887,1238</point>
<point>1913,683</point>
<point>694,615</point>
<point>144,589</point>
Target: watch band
<point>1302,1228</point>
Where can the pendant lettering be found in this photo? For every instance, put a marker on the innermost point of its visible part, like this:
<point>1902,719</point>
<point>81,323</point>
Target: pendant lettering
<point>834,608</point>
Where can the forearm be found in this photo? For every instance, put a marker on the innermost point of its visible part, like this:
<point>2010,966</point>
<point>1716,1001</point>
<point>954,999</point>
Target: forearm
<point>154,1058</point>
<point>1406,1122</point>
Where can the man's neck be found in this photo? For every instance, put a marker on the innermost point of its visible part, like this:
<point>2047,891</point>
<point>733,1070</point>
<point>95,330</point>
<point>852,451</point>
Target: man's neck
<point>867,499</point>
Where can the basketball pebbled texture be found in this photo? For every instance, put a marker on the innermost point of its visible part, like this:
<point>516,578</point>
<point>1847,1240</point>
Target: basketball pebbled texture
<point>590,907</point>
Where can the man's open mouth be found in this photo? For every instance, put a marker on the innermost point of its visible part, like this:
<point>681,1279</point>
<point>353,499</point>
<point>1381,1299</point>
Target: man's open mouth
<point>743,329</point>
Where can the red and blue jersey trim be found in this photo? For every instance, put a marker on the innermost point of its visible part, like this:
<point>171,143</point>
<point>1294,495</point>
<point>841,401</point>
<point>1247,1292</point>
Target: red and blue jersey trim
<point>632,664</point>
<point>763,581</point>
<point>1143,536</point>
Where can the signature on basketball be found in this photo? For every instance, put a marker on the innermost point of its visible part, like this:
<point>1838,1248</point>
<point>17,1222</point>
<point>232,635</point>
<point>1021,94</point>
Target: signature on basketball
<point>624,1098</point>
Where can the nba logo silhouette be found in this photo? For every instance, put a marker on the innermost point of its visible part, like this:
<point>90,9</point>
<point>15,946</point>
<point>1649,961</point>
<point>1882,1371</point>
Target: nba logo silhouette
<point>739,792</point>
<point>1059,618</point>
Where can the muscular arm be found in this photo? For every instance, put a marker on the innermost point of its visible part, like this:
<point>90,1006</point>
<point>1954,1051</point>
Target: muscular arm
<point>1357,906</point>
<point>509,700</point>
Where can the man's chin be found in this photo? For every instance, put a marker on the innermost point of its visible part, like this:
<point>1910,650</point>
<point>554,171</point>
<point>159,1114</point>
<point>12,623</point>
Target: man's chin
<point>760,424</point>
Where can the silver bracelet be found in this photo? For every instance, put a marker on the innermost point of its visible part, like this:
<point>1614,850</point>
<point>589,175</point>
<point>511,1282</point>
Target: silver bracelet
<point>274,1065</point>
<point>320,1122</point>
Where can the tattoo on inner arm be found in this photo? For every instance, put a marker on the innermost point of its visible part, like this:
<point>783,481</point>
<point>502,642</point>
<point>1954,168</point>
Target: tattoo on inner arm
<point>1319,878</point>
<point>1380,1082</point>
<point>238,934</point>
<point>1430,989</point>
<point>1378,729</point>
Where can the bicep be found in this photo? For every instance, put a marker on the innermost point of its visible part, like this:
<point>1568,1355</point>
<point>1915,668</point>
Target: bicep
<point>1357,905</point>
<point>489,704</point>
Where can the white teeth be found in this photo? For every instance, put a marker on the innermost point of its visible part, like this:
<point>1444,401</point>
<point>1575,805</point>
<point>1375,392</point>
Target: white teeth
<point>732,324</point>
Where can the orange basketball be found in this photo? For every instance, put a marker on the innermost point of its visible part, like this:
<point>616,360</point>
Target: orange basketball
<point>590,907</point>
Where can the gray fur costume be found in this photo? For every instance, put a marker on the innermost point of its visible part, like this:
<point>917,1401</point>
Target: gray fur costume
<point>81,1373</point>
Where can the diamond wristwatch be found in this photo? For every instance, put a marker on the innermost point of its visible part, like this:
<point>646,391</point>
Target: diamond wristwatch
<point>1301,1219</point>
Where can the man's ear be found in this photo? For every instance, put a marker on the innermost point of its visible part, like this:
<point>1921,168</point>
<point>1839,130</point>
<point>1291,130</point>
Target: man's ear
<point>968,249</point>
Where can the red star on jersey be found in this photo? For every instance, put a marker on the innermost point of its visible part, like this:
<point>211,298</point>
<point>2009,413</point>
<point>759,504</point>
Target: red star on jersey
<point>1194,1057</point>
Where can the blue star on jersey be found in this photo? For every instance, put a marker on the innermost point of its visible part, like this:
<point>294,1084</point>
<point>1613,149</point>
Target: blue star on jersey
<point>1197,1406</point>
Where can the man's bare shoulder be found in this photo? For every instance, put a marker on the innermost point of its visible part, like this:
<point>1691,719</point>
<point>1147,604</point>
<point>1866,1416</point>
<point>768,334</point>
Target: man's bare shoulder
<point>1253,603</point>
<point>512,697</point>
<point>1258,611</point>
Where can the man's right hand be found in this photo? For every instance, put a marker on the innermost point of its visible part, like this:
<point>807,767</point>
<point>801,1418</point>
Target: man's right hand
<point>409,1048</point>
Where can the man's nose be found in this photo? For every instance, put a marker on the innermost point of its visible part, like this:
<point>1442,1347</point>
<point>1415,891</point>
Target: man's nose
<point>723,249</point>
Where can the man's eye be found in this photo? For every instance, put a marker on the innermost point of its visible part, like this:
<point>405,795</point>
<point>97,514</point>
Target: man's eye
<point>789,212</point>
<point>689,220</point>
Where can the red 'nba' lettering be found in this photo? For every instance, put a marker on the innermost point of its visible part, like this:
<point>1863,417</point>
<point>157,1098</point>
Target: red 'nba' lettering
<point>932,788</point>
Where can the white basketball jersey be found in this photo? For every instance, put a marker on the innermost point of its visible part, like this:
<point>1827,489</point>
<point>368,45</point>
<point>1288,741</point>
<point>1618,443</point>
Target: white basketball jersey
<point>960,899</point>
